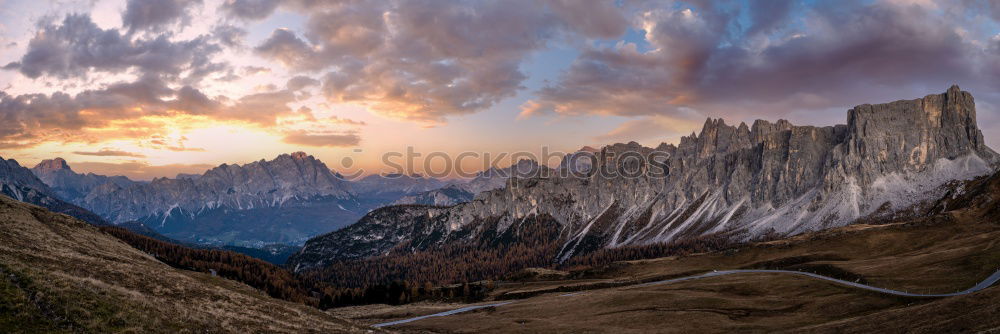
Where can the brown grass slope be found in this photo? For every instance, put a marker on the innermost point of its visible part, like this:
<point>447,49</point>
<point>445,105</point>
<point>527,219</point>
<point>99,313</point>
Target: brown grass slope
<point>59,274</point>
<point>948,246</point>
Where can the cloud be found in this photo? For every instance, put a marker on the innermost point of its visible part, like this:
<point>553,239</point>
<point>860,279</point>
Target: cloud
<point>407,60</point>
<point>653,127</point>
<point>29,119</point>
<point>768,15</point>
<point>830,56</point>
<point>139,170</point>
<point>229,35</point>
<point>260,108</point>
<point>34,115</point>
<point>104,152</point>
<point>185,149</point>
<point>163,143</point>
<point>598,19</point>
<point>249,9</point>
<point>338,120</point>
<point>147,14</point>
<point>330,140</point>
<point>254,70</point>
<point>76,46</point>
<point>286,48</point>
<point>300,82</point>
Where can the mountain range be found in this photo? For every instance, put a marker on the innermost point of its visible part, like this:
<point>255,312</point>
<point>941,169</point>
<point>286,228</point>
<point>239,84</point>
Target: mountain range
<point>286,200</point>
<point>71,186</point>
<point>742,181</point>
<point>768,178</point>
<point>19,183</point>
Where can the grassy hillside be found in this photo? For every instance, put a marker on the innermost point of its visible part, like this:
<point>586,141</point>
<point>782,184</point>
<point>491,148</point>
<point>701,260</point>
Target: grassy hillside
<point>59,274</point>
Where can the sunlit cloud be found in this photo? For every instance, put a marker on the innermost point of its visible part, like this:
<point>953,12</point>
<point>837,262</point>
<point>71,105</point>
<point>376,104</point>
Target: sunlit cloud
<point>333,140</point>
<point>105,152</point>
<point>139,170</point>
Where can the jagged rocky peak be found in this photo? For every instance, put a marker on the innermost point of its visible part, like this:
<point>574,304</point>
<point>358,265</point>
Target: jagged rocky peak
<point>13,175</point>
<point>52,165</point>
<point>69,185</point>
<point>743,181</point>
<point>579,162</point>
<point>263,183</point>
<point>295,170</point>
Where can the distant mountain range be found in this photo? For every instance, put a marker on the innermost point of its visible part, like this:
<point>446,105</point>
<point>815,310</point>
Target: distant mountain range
<point>71,186</point>
<point>19,183</point>
<point>739,181</point>
<point>286,200</point>
<point>742,181</point>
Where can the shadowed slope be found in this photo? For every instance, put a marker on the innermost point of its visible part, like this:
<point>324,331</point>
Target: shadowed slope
<point>61,274</point>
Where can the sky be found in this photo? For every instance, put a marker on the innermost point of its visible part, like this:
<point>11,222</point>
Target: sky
<point>152,88</point>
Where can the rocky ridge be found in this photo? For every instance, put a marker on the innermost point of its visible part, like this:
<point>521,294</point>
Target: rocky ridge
<point>743,181</point>
<point>20,183</point>
<point>287,199</point>
<point>71,186</point>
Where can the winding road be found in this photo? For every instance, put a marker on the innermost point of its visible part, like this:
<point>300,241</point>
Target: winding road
<point>982,285</point>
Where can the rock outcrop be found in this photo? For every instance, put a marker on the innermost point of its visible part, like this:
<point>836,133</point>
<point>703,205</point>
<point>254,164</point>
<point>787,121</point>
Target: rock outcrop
<point>743,181</point>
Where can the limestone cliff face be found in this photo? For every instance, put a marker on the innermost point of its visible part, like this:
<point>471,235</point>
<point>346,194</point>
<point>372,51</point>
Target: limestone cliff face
<point>71,186</point>
<point>21,184</point>
<point>739,180</point>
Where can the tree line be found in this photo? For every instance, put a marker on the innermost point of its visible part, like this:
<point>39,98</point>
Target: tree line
<point>450,271</point>
<point>274,280</point>
<point>280,283</point>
